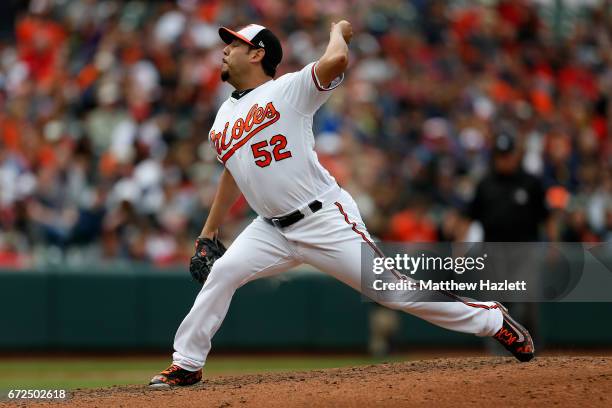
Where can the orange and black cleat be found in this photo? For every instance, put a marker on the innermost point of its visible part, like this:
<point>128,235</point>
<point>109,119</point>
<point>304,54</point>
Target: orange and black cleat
<point>175,376</point>
<point>515,338</point>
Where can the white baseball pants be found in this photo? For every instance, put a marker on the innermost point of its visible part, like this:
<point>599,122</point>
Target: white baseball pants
<point>330,240</point>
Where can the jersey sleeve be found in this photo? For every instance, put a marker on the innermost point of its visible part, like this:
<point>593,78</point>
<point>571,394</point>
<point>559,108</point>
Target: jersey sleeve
<point>304,91</point>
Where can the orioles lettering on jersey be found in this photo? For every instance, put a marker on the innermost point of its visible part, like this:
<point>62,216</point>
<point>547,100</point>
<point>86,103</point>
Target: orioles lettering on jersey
<point>243,130</point>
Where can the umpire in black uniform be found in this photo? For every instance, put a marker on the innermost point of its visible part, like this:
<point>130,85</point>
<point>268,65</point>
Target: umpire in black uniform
<point>510,204</point>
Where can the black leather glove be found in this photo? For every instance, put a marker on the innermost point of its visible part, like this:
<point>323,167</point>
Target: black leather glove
<point>206,253</point>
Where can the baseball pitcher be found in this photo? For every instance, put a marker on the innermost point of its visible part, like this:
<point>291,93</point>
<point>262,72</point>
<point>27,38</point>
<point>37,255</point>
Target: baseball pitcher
<point>263,136</point>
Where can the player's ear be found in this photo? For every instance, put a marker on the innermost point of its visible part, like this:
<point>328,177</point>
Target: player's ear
<point>257,54</point>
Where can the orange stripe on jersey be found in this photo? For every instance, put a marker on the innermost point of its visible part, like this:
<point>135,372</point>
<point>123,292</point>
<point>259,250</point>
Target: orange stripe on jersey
<point>316,81</point>
<point>253,132</point>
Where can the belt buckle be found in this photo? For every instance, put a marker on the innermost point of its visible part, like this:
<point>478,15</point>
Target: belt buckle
<point>276,222</point>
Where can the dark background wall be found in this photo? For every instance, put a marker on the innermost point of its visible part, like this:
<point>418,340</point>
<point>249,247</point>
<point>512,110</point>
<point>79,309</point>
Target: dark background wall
<point>139,308</point>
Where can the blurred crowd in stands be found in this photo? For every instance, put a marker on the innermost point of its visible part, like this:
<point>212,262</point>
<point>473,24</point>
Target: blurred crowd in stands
<point>106,107</point>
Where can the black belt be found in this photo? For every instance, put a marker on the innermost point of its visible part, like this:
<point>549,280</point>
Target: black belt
<point>292,218</point>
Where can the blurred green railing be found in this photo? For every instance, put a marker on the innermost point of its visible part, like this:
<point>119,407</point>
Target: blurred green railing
<point>140,308</point>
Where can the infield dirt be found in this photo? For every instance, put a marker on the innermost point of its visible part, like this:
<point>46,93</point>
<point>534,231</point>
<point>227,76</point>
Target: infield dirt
<point>448,382</point>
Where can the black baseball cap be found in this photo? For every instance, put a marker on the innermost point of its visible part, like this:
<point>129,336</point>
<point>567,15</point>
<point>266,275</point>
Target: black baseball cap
<point>259,37</point>
<point>504,143</point>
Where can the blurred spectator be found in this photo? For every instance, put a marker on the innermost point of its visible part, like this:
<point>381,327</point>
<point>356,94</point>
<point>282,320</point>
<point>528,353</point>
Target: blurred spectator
<point>509,203</point>
<point>106,107</point>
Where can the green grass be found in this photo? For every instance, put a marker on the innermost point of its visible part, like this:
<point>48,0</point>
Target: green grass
<point>70,373</point>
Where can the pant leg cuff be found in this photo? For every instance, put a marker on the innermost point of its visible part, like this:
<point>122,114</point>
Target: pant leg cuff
<point>186,363</point>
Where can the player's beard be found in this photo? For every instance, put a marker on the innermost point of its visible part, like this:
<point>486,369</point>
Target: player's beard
<point>225,75</point>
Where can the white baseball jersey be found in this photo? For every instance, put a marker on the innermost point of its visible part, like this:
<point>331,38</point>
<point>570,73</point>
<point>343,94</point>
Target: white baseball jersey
<point>265,140</point>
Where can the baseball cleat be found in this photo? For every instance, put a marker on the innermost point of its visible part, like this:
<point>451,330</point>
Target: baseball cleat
<point>514,337</point>
<point>175,376</point>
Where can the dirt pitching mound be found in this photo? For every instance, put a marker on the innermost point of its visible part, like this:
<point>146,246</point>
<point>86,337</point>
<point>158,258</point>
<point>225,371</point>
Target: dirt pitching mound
<point>448,382</point>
